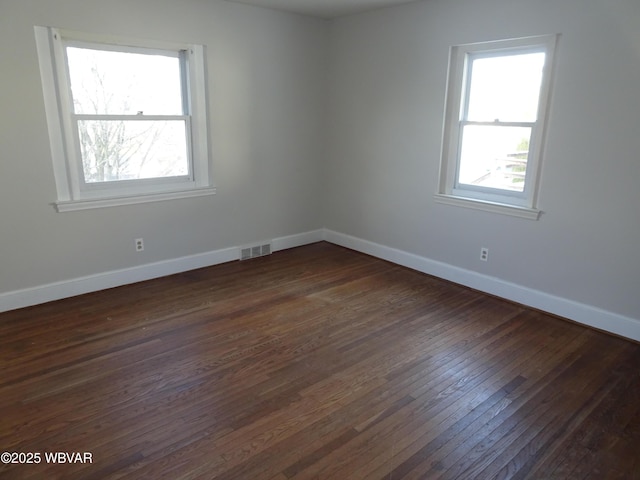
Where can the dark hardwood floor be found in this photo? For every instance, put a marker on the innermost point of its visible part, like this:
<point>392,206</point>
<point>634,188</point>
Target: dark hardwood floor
<point>317,362</point>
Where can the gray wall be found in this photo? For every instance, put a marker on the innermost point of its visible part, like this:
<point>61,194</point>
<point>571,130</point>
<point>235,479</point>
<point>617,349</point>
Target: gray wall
<point>387,97</point>
<point>266,91</point>
<point>338,125</point>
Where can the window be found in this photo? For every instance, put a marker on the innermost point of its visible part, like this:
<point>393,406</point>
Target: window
<point>127,119</point>
<point>494,124</point>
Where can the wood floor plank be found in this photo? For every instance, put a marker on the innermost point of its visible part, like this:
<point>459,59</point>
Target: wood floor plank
<point>315,362</point>
<point>532,417</point>
<point>445,406</point>
<point>550,365</point>
<point>617,403</point>
<point>441,406</point>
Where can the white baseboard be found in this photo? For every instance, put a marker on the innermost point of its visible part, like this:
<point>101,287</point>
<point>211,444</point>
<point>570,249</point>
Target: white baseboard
<point>297,240</point>
<point>578,312</point>
<point>585,314</point>
<point>101,281</point>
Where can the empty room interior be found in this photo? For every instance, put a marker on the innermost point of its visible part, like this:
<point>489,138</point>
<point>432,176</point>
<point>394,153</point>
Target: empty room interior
<point>321,239</point>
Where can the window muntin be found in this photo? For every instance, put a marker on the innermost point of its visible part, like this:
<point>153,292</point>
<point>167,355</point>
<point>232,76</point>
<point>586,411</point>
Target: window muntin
<point>494,121</point>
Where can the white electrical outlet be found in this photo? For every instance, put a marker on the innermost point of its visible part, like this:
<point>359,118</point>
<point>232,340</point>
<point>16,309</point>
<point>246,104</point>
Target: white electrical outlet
<point>139,244</point>
<point>484,254</point>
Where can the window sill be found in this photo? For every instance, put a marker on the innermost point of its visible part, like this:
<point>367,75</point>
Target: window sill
<point>87,204</point>
<point>493,207</point>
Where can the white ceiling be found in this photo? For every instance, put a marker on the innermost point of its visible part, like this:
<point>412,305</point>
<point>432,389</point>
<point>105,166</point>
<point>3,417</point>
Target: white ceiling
<point>324,8</point>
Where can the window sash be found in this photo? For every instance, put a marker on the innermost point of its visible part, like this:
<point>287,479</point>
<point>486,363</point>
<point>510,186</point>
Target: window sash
<point>77,162</point>
<point>460,186</point>
<point>62,62</point>
<point>472,56</point>
<point>499,169</point>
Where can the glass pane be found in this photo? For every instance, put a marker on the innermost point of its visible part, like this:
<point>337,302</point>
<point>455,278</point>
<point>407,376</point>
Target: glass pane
<point>122,83</point>
<point>494,156</point>
<point>505,88</point>
<point>126,150</point>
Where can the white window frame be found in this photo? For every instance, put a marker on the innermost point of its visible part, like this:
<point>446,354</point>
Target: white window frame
<point>520,204</point>
<point>73,192</point>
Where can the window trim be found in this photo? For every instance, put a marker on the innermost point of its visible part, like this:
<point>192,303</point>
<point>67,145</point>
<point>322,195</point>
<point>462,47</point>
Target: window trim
<point>71,189</point>
<point>493,200</point>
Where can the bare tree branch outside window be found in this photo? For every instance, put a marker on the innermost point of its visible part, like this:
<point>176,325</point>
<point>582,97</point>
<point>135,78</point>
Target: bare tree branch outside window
<point>119,148</point>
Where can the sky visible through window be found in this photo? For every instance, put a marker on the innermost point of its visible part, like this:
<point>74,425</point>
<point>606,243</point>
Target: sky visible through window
<point>123,83</point>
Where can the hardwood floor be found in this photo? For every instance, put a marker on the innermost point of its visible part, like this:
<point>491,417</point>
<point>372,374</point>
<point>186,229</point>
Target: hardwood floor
<point>316,362</point>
